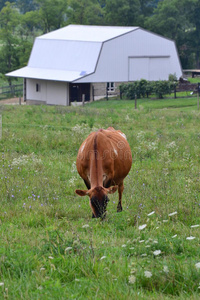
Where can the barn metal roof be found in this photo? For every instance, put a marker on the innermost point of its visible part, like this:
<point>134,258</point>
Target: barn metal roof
<point>68,53</point>
<point>87,33</point>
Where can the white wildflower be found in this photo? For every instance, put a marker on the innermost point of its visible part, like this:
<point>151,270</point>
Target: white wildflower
<point>151,213</point>
<point>157,252</point>
<point>42,269</point>
<point>103,257</point>
<point>144,255</point>
<point>141,241</point>
<point>197,265</point>
<point>194,226</point>
<point>165,221</point>
<point>174,236</point>
<point>171,145</point>
<point>132,248</point>
<point>1,283</point>
<point>68,248</point>
<point>131,279</point>
<point>165,269</point>
<point>189,238</point>
<point>85,226</point>
<point>172,214</point>
<point>147,274</point>
<point>51,257</point>
<point>123,246</point>
<point>142,226</point>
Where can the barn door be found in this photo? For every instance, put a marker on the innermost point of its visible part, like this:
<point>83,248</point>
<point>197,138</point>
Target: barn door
<point>76,90</point>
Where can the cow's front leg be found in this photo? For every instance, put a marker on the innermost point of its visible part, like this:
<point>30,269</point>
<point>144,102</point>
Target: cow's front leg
<point>120,191</point>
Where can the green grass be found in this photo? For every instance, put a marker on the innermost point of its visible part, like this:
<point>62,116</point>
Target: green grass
<point>46,251</point>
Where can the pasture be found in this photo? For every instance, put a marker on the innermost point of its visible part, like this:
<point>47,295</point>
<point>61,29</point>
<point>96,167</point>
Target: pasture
<point>51,248</point>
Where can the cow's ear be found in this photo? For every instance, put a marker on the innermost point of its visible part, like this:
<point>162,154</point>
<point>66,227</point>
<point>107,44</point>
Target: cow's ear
<point>112,189</point>
<point>82,192</point>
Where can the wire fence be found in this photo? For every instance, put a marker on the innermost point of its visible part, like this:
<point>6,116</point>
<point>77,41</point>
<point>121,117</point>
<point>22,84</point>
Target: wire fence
<point>10,91</point>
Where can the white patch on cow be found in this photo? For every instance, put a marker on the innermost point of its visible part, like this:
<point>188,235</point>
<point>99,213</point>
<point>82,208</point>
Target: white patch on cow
<point>122,134</point>
<point>115,151</point>
<point>82,148</point>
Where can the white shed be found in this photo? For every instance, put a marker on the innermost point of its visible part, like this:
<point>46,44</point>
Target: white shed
<point>68,62</point>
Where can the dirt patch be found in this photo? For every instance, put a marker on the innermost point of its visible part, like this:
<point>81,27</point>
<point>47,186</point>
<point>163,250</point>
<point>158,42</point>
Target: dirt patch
<point>12,101</point>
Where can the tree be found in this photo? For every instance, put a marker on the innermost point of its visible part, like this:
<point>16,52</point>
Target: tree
<point>52,13</point>
<point>171,20</point>
<point>85,12</point>
<point>9,18</point>
<point>194,31</point>
<point>122,12</point>
<point>26,5</point>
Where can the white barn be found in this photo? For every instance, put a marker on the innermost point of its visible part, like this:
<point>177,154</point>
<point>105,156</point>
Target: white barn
<point>72,61</point>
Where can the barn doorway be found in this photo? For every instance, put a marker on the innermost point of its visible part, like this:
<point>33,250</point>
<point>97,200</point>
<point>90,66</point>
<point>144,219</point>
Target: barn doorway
<point>77,90</point>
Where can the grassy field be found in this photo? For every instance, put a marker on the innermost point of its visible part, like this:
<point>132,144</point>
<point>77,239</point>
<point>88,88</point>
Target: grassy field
<point>51,248</point>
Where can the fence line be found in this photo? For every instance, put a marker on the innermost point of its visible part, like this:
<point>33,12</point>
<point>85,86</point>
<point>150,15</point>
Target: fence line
<point>11,90</point>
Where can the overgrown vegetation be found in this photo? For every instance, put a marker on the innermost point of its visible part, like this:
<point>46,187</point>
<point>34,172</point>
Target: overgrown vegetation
<point>51,248</point>
<point>143,88</point>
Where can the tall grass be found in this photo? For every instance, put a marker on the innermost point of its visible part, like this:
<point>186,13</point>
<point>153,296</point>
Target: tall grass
<point>51,248</point>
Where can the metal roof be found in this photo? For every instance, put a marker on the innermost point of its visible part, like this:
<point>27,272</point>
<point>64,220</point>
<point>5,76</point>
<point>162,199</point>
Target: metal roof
<point>68,53</point>
<point>87,33</point>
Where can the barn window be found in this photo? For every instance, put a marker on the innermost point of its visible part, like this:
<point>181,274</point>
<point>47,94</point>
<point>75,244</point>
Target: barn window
<point>37,87</point>
<point>110,86</point>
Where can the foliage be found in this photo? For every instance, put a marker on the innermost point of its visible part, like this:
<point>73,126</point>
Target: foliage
<point>51,248</point>
<point>8,52</point>
<point>85,12</point>
<point>52,13</point>
<point>143,88</point>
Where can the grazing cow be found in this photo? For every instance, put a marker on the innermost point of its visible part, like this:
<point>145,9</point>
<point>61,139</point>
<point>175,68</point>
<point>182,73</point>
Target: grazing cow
<point>104,160</point>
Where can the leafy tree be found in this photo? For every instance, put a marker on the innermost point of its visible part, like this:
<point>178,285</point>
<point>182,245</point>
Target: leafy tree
<point>9,18</point>
<point>171,20</point>
<point>52,13</point>
<point>3,3</point>
<point>26,5</point>
<point>85,12</point>
<point>122,12</point>
<point>193,33</point>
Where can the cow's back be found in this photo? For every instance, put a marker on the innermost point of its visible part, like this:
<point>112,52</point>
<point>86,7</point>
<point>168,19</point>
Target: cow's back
<point>110,149</point>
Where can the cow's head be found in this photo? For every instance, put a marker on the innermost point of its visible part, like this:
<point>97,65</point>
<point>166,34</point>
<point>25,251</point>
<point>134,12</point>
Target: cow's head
<point>98,199</point>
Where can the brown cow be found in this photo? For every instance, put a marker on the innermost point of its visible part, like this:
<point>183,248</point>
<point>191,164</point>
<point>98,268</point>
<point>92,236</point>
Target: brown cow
<point>104,160</point>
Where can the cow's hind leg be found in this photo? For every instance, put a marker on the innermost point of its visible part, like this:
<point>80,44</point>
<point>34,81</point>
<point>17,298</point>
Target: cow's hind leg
<point>120,191</point>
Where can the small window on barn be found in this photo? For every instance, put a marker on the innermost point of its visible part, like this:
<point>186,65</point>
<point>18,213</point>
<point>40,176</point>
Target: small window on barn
<point>37,87</point>
<point>110,86</point>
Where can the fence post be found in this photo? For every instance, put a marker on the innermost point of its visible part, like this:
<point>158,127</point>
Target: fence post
<point>135,101</point>
<point>198,90</point>
<point>19,100</point>
<point>83,99</point>
<point>92,93</point>
<point>106,93</point>
<point>175,91</point>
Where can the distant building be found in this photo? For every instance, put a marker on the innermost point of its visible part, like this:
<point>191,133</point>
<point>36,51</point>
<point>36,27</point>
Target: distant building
<point>78,59</point>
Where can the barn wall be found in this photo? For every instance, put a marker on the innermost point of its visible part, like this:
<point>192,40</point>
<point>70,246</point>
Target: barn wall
<point>114,64</point>
<point>47,92</point>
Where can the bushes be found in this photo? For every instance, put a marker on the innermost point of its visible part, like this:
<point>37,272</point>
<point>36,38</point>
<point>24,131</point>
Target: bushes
<point>143,88</point>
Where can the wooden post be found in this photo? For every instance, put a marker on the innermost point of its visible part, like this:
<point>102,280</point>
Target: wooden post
<point>19,100</point>
<point>198,90</point>
<point>83,99</point>
<point>135,101</point>
<point>175,91</point>
<point>92,93</point>
<point>107,94</point>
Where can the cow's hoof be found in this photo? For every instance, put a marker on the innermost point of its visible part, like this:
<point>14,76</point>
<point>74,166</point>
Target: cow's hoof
<point>119,208</point>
